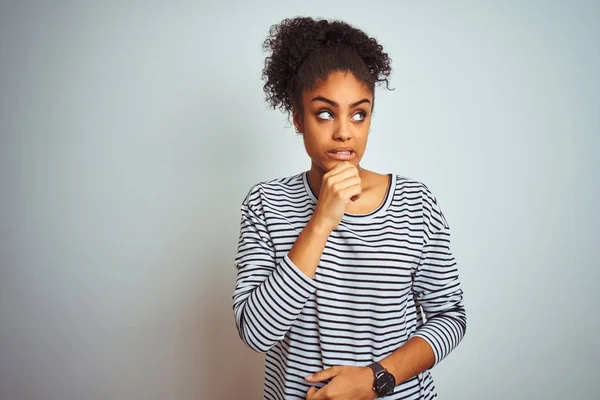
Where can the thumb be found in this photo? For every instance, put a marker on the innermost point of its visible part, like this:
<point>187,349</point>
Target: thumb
<point>323,375</point>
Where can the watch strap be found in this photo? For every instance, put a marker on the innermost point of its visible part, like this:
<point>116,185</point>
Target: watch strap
<point>377,369</point>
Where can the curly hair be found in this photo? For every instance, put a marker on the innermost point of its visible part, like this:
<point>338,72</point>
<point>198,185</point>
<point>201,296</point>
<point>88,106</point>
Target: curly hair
<point>305,50</point>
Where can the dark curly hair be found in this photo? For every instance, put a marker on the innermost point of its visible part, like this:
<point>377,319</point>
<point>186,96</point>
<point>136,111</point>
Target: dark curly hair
<point>305,50</point>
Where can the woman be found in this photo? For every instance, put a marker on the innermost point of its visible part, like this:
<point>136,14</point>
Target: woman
<point>345,276</point>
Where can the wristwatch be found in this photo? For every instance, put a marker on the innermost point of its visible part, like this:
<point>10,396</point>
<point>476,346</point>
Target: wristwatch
<point>385,382</point>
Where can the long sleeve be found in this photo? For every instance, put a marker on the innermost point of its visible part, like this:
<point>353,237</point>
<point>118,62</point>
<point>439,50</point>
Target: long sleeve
<point>269,294</point>
<point>437,288</point>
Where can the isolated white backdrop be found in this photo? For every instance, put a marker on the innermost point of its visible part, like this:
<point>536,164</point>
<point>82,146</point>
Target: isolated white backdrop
<point>131,131</point>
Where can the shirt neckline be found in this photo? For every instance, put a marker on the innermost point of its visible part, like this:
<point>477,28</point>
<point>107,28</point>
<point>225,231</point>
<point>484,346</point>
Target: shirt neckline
<point>380,210</point>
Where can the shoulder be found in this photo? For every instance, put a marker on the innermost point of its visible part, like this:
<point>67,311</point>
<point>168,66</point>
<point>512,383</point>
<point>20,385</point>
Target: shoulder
<point>415,191</point>
<point>273,188</point>
<point>413,188</point>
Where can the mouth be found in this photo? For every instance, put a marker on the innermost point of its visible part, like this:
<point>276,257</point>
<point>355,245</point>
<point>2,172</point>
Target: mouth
<point>342,154</point>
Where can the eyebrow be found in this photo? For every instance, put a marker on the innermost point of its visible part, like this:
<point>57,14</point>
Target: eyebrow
<point>334,104</point>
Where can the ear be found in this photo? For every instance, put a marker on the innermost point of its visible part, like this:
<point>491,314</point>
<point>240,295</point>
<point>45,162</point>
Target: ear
<point>297,119</point>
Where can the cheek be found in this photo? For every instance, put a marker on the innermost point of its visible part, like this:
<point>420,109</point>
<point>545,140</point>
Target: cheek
<point>315,134</point>
<point>362,134</point>
<point>310,144</point>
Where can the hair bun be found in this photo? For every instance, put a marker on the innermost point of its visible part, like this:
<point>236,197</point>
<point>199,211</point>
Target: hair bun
<point>291,42</point>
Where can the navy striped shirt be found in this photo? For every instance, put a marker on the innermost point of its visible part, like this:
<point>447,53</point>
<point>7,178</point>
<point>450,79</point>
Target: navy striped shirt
<point>383,278</point>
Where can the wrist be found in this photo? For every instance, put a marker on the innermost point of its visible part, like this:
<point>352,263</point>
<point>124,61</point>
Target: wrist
<point>384,382</point>
<point>369,379</point>
<point>319,226</point>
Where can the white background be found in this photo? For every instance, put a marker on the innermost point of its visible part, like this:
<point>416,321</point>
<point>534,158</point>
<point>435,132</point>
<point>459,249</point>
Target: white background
<point>131,132</point>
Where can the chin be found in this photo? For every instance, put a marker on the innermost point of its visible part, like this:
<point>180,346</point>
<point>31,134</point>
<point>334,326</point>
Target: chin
<point>328,165</point>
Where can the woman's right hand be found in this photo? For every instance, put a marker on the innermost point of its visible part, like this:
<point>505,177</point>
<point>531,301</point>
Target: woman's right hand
<point>339,186</point>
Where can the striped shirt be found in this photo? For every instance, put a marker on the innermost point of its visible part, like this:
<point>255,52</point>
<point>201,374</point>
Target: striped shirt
<point>383,278</point>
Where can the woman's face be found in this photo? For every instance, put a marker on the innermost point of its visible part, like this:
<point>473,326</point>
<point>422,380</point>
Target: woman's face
<point>336,120</point>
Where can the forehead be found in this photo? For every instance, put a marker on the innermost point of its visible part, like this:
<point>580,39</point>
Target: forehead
<point>341,87</point>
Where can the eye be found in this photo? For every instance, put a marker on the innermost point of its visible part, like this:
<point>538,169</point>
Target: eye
<point>325,115</point>
<point>361,116</point>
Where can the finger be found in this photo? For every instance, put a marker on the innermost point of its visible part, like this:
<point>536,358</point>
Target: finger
<point>344,172</point>
<point>352,193</point>
<point>352,180</point>
<point>341,171</point>
<point>312,390</point>
<point>346,183</point>
<point>339,167</point>
<point>323,375</point>
<point>340,181</point>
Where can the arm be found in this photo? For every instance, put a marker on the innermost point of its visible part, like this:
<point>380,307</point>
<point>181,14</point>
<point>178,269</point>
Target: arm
<point>437,290</point>
<point>269,296</point>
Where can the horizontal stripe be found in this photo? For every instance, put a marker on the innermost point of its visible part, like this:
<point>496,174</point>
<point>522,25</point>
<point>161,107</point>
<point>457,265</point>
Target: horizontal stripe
<point>383,278</point>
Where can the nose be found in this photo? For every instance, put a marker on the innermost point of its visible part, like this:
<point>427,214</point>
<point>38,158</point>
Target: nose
<point>342,132</point>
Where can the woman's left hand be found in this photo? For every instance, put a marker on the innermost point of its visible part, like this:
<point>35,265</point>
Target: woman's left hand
<point>347,383</point>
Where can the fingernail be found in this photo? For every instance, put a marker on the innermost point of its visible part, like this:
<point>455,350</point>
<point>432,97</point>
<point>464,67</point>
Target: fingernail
<point>309,377</point>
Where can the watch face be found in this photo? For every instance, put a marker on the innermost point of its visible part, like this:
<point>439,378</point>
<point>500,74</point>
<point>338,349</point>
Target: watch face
<point>385,384</point>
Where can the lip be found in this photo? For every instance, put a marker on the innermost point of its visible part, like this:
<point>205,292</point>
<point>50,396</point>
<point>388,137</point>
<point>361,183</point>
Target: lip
<point>333,153</point>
